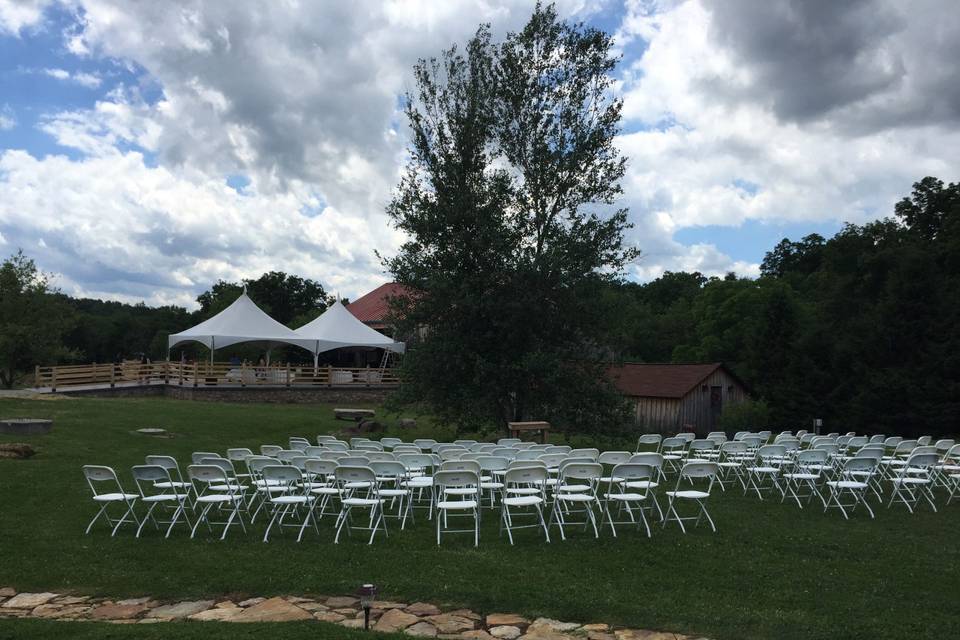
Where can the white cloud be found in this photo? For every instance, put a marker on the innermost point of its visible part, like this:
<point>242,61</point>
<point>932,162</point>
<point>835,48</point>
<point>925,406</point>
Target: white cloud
<point>690,151</point>
<point>8,119</point>
<point>16,15</point>
<point>88,80</point>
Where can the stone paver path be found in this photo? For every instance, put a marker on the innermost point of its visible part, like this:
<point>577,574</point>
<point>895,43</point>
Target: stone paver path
<point>421,619</point>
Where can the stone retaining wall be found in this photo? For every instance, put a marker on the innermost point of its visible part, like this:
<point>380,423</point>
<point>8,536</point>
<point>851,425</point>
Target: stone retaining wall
<point>418,619</point>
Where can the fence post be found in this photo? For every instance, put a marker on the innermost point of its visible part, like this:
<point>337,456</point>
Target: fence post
<point>287,379</point>
<point>53,379</point>
<point>36,377</point>
<point>166,372</point>
<point>196,373</point>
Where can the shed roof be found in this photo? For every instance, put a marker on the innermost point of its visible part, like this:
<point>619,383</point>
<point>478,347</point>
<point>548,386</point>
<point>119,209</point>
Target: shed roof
<point>661,380</point>
<point>372,308</point>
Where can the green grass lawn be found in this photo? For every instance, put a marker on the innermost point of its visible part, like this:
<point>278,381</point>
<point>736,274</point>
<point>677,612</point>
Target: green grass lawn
<point>771,570</point>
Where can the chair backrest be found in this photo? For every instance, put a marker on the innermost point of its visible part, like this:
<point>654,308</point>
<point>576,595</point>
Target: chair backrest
<point>858,464</point>
<point>354,460</point>
<point>380,456</point>
<point>651,458</point>
<point>238,454</point>
<point>614,457</point>
<point>492,463</point>
<point>369,445</point>
<point>406,448</point>
<point>506,452</point>
<point>593,454</point>
<point>673,444</point>
<point>830,447</point>
<point>461,478</point>
<point>286,455</point>
<point>167,462</point>
<point>300,444</point>
<point>792,444</point>
<point>807,438</point>
<point>649,440</point>
<point>299,462</point>
<point>389,469</point>
<point>525,476</point>
<point>145,475</point>
<point>223,463</point>
<point>923,441</point>
<point>733,449</point>
<point>717,438</point>
<point>892,441</point>
<point>350,473</point>
<point>905,446</point>
<point>354,441</point>
<point>701,445</point>
<point>944,445</point>
<point>857,442</point>
<point>482,447</point>
<point>693,470</point>
<point>465,443</point>
<point>323,439</point>
<point>810,457</point>
<point>529,454</point>
<point>197,456</point>
<point>771,451</point>
<point>390,443</point>
<point>877,439</point>
<point>416,461</point>
<point>558,448</point>
<point>332,455</point>
<point>523,446</point>
<point>633,471</point>
<point>256,463</point>
<point>270,450</point>
<point>460,465</point>
<point>686,436</point>
<point>869,452</point>
<point>581,471</point>
<point>924,461</point>
<point>753,441</point>
<point>506,442</point>
<point>336,445</point>
<point>516,464</point>
<point>282,474</point>
<point>924,449</point>
<point>314,451</point>
<point>552,459</point>
<point>206,474</point>
<point>425,444</point>
<point>96,473</point>
<point>316,467</point>
<point>452,454</point>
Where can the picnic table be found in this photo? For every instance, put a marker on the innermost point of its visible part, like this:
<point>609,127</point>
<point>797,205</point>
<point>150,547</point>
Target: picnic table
<point>516,429</point>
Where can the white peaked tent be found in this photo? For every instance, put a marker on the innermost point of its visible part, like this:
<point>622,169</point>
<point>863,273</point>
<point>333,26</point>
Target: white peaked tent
<point>336,327</point>
<point>242,321</point>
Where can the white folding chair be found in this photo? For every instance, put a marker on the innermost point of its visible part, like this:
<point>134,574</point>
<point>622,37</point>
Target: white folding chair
<point>693,472</point>
<point>157,488</point>
<point>213,488</point>
<point>672,450</point>
<point>618,493</point>
<point>319,480</point>
<point>114,494</point>
<point>806,474</point>
<point>359,489</point>
<point>766,466</point>
<point>569,494</point>
<point>649,487</point>
<point>848,484</point>
<point>732,457</point>
<point>270,450</point>
<point>294,498</point>
<point>392,476</point>
<point>915,481</point>
<point>523,488</point>
<point>457,494</point>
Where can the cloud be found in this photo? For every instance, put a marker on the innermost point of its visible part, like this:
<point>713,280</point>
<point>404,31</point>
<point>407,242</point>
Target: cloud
<point>8,119</point>
<point>88,80</point>
<point>708,108</point>
<point>16,15</point>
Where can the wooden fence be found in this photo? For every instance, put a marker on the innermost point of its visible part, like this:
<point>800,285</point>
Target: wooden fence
<point>205,374</point>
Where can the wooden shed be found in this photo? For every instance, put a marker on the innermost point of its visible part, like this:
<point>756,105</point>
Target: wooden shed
<point>666,397</point>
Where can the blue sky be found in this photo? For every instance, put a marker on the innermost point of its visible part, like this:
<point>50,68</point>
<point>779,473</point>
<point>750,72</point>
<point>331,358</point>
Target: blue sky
<point>149,149</point>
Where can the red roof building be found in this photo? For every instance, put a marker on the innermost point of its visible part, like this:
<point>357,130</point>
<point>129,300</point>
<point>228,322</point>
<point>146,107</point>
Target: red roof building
<point>671,397</point>
<point>373,308</point>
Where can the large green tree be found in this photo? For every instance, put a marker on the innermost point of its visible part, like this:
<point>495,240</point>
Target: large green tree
<point>509,205</point>
<point>33,320</point>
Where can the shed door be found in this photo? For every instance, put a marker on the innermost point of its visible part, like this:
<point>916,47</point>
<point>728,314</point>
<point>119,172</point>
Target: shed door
<point>716,406</point>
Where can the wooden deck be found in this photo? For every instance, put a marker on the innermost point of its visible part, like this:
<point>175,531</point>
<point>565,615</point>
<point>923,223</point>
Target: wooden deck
<point>218,374</point>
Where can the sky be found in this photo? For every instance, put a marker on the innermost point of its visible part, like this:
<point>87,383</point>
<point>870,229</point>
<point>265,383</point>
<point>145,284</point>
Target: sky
<point>148,149</point>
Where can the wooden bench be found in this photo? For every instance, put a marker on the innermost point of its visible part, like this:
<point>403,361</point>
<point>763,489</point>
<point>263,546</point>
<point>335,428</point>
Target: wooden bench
<point>353,414</point>
<point>517,428</point>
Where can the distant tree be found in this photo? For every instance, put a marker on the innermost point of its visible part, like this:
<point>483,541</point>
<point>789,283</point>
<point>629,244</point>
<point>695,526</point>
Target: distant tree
<point>33,320</point>
<point>508,204</point>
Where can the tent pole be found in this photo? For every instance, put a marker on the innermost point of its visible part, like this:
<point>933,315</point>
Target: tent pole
<point>269,349</point>
<point>213,345</point>
<point>316,358</point>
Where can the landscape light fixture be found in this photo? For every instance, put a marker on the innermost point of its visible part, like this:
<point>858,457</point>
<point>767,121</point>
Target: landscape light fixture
<point>367,593</point>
